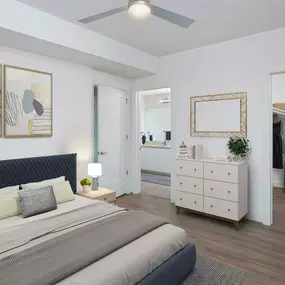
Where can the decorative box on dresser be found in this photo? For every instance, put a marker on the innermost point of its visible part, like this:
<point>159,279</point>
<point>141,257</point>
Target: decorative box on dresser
<point>215,188</point>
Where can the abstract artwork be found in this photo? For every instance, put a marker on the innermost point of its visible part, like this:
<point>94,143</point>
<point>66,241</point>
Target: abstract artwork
<point>28,103</point>
<point>0,101</point>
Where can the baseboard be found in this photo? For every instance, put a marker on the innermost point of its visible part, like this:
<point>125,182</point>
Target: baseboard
<point>278,184</point>
<point>155,172</point>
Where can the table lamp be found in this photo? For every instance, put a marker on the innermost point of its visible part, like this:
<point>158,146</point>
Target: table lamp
<point>95,170</point>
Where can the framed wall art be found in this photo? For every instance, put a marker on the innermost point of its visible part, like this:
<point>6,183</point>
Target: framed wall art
<point>27,103</point>
<point>222,115</point>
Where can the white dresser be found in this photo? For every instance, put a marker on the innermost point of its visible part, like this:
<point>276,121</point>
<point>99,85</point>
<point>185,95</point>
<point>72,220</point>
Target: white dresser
<point>212,187</point>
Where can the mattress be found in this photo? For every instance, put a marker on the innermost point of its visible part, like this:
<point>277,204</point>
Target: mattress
<point>128,265</point>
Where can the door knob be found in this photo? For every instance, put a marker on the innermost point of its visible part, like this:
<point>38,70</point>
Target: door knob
<point>102,153</point>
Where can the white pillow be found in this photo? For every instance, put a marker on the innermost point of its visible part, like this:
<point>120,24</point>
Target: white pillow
<point>9,189</point>
<point>9,202</point>
<point>63,192</point>
<point>44,183</point>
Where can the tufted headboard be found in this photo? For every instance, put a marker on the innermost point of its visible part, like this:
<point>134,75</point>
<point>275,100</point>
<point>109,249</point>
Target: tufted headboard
<point>34,169</point>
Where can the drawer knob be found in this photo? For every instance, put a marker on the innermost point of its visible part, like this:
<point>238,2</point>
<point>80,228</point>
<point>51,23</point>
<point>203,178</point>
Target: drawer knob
<point>195,202</point>
<point>181,183</point>
<point>212,189</point>
<point>195,169</point>
<point>212,171</point>
<point>181,167</point>
<point>195,186</point>
<point>180,199</point>
<point>229,210</point>
<point>229,174</point>
<point>229,192</point>
<point>211,206</point>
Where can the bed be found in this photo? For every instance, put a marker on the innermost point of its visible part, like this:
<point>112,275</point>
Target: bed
<point>160,255</point>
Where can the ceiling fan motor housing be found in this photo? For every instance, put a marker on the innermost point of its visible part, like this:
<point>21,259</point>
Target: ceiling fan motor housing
<point>134,2</point>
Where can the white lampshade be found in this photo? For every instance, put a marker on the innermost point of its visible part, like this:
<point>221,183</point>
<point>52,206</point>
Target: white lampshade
<point>94,169</point>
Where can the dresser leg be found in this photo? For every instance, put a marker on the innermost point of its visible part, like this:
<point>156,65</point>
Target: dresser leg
<point>236,225</point>
<point>177,210</point>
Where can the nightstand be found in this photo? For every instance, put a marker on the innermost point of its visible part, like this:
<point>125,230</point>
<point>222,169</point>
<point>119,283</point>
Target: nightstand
<point>102,194</point>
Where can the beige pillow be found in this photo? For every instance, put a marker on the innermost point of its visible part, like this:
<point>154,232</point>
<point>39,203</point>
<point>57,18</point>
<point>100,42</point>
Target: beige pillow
<point>9,189</point>
<point>9,202</point>
<point>63,192</point>
<point>44,183</point>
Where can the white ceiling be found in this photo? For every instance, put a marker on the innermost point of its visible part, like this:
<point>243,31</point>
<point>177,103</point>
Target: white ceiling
<point>216,21</point>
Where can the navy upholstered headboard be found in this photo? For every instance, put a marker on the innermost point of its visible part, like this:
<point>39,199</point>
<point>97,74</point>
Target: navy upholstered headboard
<point>34,169</point>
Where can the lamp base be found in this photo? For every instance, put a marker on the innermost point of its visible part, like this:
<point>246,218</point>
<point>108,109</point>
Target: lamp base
<point>95,184</point>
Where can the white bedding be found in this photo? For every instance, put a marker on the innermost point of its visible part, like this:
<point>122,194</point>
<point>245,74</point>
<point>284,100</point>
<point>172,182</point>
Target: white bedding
<point>125,266</point>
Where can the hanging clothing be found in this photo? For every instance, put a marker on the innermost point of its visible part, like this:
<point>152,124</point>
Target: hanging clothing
<point>277,146</point>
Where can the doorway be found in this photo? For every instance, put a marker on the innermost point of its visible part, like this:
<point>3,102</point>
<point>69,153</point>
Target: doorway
<point>110,137</point>
<point>278,148</point>
<point>155,142</point>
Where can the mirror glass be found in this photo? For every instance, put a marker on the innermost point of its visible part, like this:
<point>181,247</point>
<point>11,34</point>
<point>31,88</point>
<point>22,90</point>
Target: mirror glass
<point>218,116</point>
<point>156,118</point>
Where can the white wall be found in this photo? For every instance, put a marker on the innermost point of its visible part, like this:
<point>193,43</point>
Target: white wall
<point>233,66</point>
<point>73,119</point>
<point>278,88</point>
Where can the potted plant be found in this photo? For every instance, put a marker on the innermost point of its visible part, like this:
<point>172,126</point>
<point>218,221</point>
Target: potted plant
<point>86,184</point>
<point>239,148</point>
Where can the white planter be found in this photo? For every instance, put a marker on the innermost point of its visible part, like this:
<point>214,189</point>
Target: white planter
<point>86,188</point>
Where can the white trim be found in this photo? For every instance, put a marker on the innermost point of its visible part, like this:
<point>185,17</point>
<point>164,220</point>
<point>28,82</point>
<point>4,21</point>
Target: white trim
<point>136,142</point>
<point>136,176</point>
<point>266,117</point>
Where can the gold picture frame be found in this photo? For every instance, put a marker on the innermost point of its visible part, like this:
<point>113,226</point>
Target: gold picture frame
<point>241,133</point>
<point>28,103</point>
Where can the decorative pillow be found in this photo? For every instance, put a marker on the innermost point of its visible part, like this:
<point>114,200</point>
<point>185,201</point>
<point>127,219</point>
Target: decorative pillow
<point>37,202</point>
<point>44,183</point>
<point>9,202</point>
<point>63,192</point>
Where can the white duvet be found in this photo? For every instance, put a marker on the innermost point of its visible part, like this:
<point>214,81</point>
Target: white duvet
<point>126,266</point>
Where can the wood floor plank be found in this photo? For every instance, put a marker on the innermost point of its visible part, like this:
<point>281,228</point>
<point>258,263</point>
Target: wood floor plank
<point>258,249</point>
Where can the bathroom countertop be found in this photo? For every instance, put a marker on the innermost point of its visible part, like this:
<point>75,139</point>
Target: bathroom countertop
<point>157,146</point>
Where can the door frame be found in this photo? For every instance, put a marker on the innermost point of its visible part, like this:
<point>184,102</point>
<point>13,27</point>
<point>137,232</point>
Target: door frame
<point>126,142</point>
<point>267,148</point>
<point>136,141</point>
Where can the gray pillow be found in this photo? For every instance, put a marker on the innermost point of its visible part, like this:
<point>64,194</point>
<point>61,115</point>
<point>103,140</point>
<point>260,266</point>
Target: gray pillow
<point>37,201</point>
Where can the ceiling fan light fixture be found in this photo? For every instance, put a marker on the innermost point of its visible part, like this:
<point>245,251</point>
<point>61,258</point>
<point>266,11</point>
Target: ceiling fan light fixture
<point>139,9</point>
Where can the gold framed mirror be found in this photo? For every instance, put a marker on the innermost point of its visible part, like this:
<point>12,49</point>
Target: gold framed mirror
<point>222,115</point>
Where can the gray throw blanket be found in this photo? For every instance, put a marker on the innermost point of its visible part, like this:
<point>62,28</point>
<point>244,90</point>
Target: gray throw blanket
<point>58,258</point>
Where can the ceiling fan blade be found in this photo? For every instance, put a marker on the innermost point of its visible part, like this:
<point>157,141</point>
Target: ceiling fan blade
<point>172,17</point>
<point>103,15</point>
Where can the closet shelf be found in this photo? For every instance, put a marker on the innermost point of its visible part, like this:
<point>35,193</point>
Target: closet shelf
<point>279,109</point>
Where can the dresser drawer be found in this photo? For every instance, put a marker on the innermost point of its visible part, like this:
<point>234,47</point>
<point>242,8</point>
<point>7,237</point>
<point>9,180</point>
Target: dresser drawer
<point>221,172</point>
<point>189,201</point>
<point>189,168</point>
<point>221,208</point>
<point>221,190</point>
<point>189,184</point>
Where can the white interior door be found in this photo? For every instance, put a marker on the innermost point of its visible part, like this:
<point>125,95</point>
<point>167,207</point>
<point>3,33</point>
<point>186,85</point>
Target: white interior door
<point>112,138</point>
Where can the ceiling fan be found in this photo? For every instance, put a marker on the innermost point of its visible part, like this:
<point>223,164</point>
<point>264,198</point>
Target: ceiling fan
<point>141,9</point>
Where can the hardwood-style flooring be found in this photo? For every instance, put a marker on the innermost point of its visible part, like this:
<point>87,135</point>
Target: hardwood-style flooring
<point>157,190</point>
<point>258,249</point>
